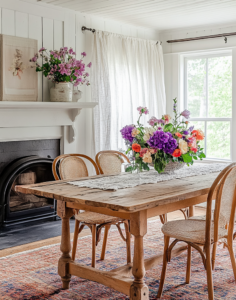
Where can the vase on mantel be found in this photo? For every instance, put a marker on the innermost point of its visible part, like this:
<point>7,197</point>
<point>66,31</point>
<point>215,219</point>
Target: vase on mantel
<point>61,92</point>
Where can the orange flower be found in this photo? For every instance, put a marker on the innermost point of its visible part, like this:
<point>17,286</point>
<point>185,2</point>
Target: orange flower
<point>178,134</point>
<point>136,147</point>
<point>198,134</point>
<point>177,153</point>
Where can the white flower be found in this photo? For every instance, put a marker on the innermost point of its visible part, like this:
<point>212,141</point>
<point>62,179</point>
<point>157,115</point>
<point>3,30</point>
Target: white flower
<point>148,133</point>
<point>183,146</point>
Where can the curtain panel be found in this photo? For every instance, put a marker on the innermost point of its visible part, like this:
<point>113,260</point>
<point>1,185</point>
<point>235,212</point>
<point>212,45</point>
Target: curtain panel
<point>126,73</point>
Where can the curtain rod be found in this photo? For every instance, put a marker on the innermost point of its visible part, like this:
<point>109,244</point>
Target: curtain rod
<point>83,28</point>
<point>203,37</point>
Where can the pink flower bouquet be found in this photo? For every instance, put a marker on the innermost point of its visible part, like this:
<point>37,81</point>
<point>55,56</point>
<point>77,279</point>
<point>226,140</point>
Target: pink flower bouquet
<point>62,66</point>
<point>163,141</point>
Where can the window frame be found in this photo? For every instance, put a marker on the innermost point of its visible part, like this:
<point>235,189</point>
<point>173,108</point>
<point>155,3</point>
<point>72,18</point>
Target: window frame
<point>207,119</point>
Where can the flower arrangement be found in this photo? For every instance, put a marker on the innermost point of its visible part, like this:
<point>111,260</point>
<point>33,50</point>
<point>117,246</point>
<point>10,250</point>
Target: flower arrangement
<point>164,141</point>
<point>62,66</point>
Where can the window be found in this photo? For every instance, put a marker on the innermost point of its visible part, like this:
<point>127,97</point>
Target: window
<point>208,96</point>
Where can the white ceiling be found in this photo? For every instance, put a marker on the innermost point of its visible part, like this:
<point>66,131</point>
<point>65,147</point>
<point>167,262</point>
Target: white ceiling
<point>157,14</point>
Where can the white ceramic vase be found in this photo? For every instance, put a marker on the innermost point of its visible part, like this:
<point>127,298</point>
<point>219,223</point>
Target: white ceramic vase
<point>61,92</point>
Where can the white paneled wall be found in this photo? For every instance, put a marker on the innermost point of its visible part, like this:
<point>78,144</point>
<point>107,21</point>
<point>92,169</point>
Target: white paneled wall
<point>55,27</point>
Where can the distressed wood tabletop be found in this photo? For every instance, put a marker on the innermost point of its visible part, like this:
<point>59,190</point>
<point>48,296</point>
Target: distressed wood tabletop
<point>124,200</point>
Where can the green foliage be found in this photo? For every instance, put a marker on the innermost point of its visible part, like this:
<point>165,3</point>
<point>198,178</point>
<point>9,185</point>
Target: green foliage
<point>187,158</point>
<point>168,127</point>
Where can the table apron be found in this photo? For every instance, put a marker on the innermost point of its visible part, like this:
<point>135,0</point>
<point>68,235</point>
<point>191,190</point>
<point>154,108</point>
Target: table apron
<point>151,212</point>
<point>170,207</point>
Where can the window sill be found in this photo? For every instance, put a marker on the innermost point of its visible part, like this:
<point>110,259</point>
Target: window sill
<point>213,160</point>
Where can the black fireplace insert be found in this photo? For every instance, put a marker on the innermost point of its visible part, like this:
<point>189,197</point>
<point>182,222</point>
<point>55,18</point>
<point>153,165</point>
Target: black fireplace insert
<point>16,207</point>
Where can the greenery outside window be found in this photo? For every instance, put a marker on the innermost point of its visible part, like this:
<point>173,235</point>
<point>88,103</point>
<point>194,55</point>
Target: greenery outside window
<point>208,96</point>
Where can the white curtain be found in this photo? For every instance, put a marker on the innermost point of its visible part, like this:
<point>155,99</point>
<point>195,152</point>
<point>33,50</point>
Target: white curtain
<point>126,73</point>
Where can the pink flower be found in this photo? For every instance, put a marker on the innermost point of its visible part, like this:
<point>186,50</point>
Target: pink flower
<point>166,118</point>
<point>142,110</point>
<point>42,49</point>
<point>185,114</point>
<point>34,59</point>
<point>193,149</point>
<point>153,151</point>
<point>192,142</point>
<point>83,54</point>
<point>71,51</point>
<point>143,151</point>
<point>153,121</point>
<point>89,65</point>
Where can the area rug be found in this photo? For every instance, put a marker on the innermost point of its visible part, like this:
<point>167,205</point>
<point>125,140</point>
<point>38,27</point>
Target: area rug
<point>33,274</point>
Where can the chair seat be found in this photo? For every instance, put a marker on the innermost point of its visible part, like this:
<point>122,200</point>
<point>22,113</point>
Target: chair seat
<point>190,230</point>
<point>92,218</point>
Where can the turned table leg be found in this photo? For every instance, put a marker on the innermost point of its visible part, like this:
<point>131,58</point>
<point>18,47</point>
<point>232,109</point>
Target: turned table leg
<point>65,214</point>
<point>138,227</point>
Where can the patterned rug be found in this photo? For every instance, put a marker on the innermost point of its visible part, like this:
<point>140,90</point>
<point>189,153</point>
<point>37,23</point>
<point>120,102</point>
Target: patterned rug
<point>33,274</point>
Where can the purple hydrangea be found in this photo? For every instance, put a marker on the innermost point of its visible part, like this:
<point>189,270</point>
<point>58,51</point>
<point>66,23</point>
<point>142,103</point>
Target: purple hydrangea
<point>163,141</point>
<point>126,133</point>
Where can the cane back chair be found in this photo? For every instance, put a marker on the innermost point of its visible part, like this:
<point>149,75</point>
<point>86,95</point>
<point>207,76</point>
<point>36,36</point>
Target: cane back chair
<point>206,234</point>
<point>72,166</point>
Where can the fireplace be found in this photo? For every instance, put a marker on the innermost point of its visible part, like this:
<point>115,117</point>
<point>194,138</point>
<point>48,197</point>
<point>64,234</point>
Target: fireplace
<point>26,162</point>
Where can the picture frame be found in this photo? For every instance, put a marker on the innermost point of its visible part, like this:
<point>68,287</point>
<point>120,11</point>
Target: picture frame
<point>18,77</point>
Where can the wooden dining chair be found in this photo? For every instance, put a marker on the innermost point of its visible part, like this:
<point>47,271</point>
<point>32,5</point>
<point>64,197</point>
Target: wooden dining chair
<point>206,233</point>
<point>72,166</point>
<point>110,161</point>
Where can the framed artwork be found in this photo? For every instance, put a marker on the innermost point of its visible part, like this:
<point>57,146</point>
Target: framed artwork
<point>18,78</point>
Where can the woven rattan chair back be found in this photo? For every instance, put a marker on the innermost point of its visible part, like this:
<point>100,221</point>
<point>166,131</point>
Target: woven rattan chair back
<point>71,166</point>
<point>109,162</point>
<point>224,187</point>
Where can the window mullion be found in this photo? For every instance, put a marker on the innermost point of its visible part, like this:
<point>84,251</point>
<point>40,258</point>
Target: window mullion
<point>205,140</point>
<point>206,87</point>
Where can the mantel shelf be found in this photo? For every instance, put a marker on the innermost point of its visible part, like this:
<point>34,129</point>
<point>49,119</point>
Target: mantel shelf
<point>42,114</point>
<point>46,105</point>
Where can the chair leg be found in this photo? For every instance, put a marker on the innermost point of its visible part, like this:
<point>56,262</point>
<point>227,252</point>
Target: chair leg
<point>188,270</point>
<point>164,267</point>
<point>94,233</point>
<point>232,257</point>
<point>214,255</point>
<point>163,218</point>
<point>104,245</point>
<point>209,274</point>
<point>128,242</point>
<point>75,239</point>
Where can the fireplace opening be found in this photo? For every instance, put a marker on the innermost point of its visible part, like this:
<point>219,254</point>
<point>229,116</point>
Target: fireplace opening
<point>17,208</point>
<point>21,202</point>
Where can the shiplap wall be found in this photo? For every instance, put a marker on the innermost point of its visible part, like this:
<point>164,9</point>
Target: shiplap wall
<point>55,27</point>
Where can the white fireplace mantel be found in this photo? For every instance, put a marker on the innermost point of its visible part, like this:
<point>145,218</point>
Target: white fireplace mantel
<point>24,120</point>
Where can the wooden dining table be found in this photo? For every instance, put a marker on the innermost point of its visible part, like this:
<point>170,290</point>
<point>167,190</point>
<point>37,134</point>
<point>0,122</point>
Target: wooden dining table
<point>135,204</point>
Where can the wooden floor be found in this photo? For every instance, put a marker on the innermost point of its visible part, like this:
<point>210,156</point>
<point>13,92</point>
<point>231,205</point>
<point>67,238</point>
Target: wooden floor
<point>171,216</point>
